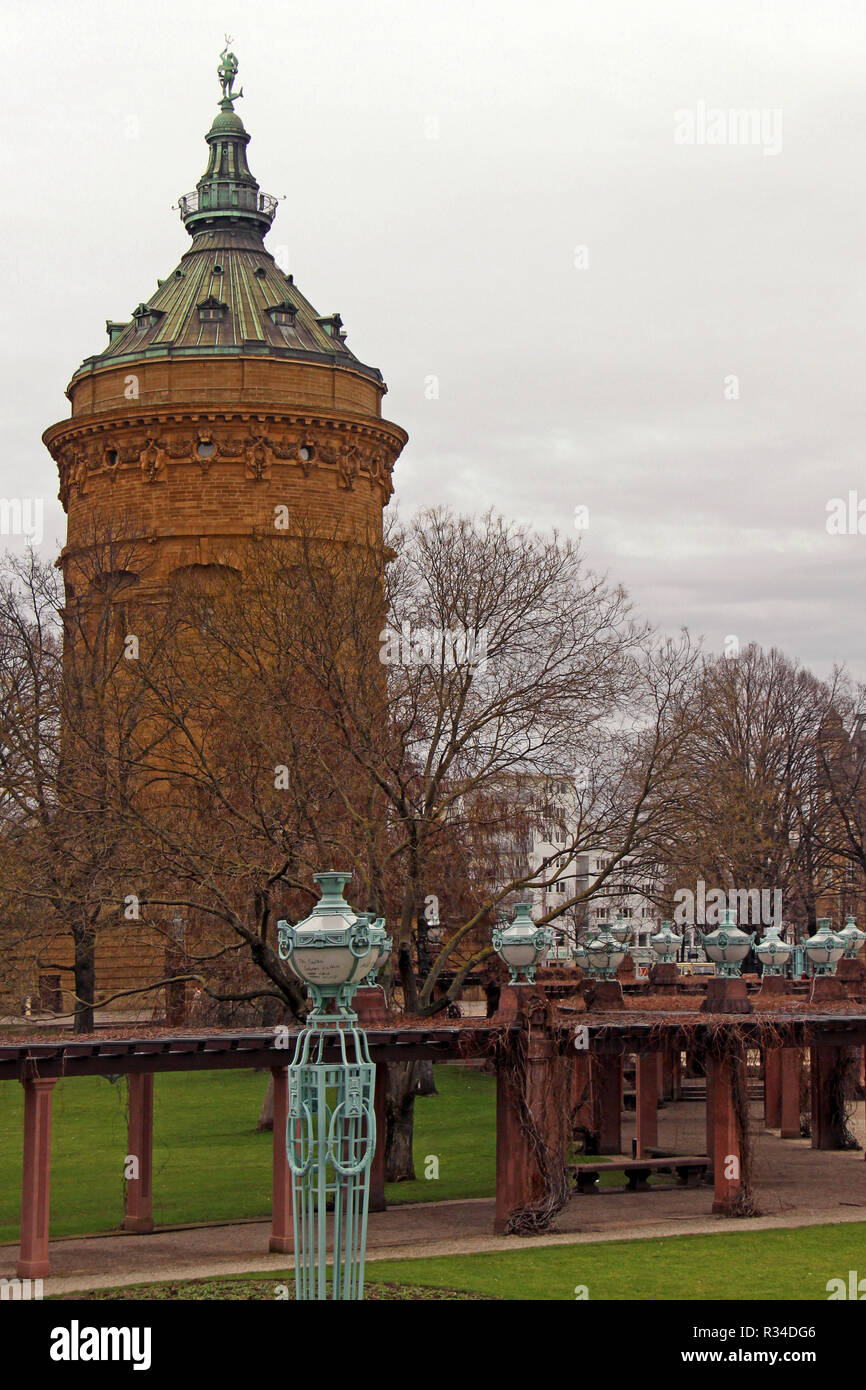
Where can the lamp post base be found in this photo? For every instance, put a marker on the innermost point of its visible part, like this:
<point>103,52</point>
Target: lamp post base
<point>603,994</point>
<point>664,973</point>
<point>773,984</point>
<point>726,995</point>
<point>370,1005</point>
<point>827,989</point>
<point>514,1000</point>
<point>852,975</point>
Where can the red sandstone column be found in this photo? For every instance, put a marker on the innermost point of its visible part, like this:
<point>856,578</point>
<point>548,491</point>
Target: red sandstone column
<point>580,1094</point>
<point>676,1073</point>
<point>579,1090</point>
<point>666,1079</point>
<point>727,1154</point>
<point>820,1063</point>
<point>282,1232</point>
<point>139,1189</point>
<point>377,1170</point>
<point>773,1087</point>
<point>607,1102</point>
<point>514,1162</point>
<point>789,1113</point>
<point>33,1260</point>
<point>646,1103</point>
<point>828,1130</point>
<point>709,1112</point>
<point>524,1083</point>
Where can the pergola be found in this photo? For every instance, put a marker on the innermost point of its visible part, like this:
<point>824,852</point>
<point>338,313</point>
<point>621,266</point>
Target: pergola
<point>544,1058</point>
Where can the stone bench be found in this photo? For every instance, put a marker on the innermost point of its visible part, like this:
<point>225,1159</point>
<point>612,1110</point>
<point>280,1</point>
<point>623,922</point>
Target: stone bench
<point>689,1172</point>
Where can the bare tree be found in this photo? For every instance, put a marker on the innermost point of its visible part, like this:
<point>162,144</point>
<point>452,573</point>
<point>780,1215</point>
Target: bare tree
<point>69,720</point>
<point>752,813</point>
<point>842,793</point>
<point>490,662</point>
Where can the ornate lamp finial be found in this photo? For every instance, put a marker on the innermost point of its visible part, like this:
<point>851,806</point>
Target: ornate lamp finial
<point>227,72</point>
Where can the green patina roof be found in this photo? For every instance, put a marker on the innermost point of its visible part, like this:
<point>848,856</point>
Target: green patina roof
<point>230,273</point>
<point>218,298</point>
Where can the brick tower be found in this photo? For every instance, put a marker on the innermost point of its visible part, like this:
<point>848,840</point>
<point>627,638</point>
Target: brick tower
<point>224,398</point>
<point>223,410</point>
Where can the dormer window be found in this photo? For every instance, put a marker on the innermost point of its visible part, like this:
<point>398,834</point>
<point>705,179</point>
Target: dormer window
<point>283,315</point>
<point>145,316</point>
<point>333,325</point>
<point>217,270</point>
<point>212,310</point>
<point>114,330</point>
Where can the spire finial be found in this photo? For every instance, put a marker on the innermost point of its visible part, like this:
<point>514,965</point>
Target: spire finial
<point>227,72</point>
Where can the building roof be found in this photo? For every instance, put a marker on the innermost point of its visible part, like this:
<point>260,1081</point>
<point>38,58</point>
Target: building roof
<point>227,295</point>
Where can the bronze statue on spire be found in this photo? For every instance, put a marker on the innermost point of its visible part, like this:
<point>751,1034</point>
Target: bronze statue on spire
<point>227,72</point>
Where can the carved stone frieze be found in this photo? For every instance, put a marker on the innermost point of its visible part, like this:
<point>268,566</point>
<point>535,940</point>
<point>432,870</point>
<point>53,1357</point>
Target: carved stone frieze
<point>153,461</point>
<point>351,452</point>
<point>256,459</point>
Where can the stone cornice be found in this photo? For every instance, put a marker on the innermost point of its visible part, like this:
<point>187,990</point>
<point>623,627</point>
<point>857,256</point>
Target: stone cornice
<point>95,449</point>
<point>80,427</point>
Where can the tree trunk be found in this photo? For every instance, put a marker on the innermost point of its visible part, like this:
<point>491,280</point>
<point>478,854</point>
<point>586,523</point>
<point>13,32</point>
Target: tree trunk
<point>425,1084</point>
<point>85,982</point>
<point>400,1107</point>
<point>266,1114</point>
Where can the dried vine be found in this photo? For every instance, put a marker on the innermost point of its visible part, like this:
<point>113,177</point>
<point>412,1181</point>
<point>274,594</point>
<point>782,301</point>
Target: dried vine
<point>843,1084</point>
<point>550,1160</point>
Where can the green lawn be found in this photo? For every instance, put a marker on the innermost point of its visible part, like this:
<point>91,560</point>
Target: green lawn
<point>459,1128</point>
<point>791,1265</point>
<point>210,1162</point>
<point>785,1264</point>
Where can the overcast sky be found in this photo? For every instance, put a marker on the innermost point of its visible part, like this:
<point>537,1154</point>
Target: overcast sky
<point>530,204</point>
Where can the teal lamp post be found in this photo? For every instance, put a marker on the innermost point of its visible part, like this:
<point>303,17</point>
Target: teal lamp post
<point>621,931</point>
<point>384,949</point>
<point>850,968</point>
<point>852,936</point>
<point>666,948</point>
<point>521,945</point>
<point>727,947</point>
<point>331,1129</point>
<point>773,952</point>
<point>603,955</point>
<point>666,945</point>
<point>578,955</point>
<point>824,950</point>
